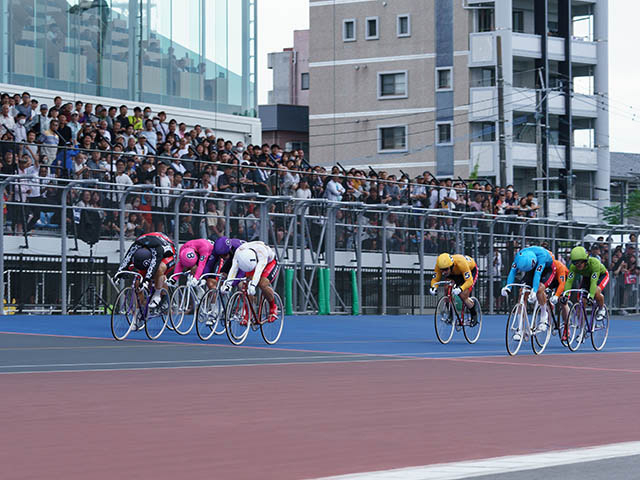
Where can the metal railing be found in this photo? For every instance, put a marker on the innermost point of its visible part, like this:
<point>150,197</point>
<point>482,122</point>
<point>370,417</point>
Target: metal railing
<point>392,249</point>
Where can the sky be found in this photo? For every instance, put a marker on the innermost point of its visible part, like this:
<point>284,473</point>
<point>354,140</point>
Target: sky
<point>277,19</point>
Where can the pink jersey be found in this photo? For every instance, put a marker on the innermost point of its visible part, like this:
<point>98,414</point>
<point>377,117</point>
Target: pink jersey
<point>204,249</point>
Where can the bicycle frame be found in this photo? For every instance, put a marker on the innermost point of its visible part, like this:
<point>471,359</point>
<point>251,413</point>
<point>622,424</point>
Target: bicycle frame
<point>589,320</point>
<point>135,284</point>
<point>449,293</point>
<point>242,283</point>
<point>522,302</point>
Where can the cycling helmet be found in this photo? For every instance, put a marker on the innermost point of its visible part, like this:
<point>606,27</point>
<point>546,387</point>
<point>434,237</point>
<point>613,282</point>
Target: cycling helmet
<point>222,246</point>
<point>579,253</point>
<point>445,260</point>
<point>142,258</point>
<point>247,259</point>
<point>526,260</point>
<point>188,257</point>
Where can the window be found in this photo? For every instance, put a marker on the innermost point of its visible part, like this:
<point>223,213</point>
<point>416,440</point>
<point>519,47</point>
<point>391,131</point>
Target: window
<point>518,21</point>
<point>392,139</point>
<point>404,26</point>
<point>372,28</point>
<point>486,132</point>
<point>444,78</point>
<point>304,81</point>
<point>349,30</point>
<point>392,85</point>
<point>485,20</point>
<point>443,133</point>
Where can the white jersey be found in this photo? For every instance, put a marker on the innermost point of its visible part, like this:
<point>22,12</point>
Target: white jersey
<point>264,253</point>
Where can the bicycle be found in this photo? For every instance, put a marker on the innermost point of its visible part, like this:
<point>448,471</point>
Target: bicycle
<point>128,313</point>
<point>518,325</point>
<point>212,308</point>
<point>241,316</point>
<point>447,318</point>
<point>559,326</point>
<point>183,306</point>
<point>598,330</point>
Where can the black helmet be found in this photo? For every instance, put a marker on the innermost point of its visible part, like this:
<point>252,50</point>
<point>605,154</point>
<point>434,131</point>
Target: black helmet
<point>142,258</point>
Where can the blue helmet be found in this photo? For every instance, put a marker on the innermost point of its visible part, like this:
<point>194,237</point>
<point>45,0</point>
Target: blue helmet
<point>142,258</point>
<point>526,260</point>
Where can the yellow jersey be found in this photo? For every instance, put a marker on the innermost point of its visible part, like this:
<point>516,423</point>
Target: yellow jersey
<point>462,266</point>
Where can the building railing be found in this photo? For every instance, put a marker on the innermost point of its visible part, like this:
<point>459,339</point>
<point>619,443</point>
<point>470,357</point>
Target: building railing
<point>393,247</point>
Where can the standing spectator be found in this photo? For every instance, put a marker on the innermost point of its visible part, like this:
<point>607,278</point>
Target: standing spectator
<point>334,189</point>
<point>25,107</point>
<point>7,123</point>
<point>50,140</point>
<point>532,205</point>
<point>123,118</point>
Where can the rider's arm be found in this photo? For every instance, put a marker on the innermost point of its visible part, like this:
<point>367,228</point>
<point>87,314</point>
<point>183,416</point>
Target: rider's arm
<point>436,278</point>
<point>572,275</point>
<point>596,269</point>
<point>562,280</point>
<point>205,252</point>
<point>234,269</point>
<point>179,268</point>
<point>257,273</point>
<point>512,274</point>
<point>536,278</point>
<point>126,260</point>
<point>468,277</point>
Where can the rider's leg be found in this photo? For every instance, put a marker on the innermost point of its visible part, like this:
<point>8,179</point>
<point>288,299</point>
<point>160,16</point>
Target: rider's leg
<point>464,296</point>
<point>160,282</point>
<point>599,297</point>
<point>541,295</point>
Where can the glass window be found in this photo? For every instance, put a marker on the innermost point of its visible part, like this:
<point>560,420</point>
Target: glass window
<point>404,26</point>
<point>392,139</point>
<point>304,81</point>
<point>372,28</point>
<point>518,21</point>
<point>443,133</point>
<point>392,85</point>
<point>444,78</point>
<point>349,30</point>
<point>485,20</point>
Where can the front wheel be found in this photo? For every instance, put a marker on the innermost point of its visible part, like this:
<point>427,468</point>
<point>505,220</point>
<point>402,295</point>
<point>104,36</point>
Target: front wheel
<point>238,318</point>
<point>444,320</point>
<point>208,315</point>
<point>472,327</point>
<point>600,330</point>
<point>541,331</point>
<point>515,329</point>
<point>576,327</point>
<point>182,310</point>
<point>124,313</point>
<point>271,330</point>
<point>157,320</point>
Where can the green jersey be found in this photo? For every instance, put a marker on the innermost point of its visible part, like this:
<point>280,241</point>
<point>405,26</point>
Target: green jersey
<point>594,269</point>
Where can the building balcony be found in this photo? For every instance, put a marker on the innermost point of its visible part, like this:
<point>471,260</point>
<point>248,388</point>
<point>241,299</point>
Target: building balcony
<point>485,155</point>
<point>482,48</point>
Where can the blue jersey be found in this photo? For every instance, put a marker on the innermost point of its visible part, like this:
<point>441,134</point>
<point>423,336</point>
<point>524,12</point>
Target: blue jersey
<point>544,259</point>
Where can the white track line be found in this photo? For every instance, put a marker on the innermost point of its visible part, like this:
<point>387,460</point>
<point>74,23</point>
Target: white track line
<point>500,465</point>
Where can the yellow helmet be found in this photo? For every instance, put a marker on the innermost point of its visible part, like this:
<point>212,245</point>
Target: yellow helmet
<point>445,260</point>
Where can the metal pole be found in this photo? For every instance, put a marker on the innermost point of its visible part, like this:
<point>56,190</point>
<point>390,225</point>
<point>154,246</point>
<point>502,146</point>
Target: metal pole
<point>63,240</point>
<point>384,262</point>
<point>359,260</point>
<point>330,253</point>
<point>123,201</point>
<point>491,254</point>
<point>176,212</point>
<point>421,291</point>
<point>501,121</point>
<point>3,186</point>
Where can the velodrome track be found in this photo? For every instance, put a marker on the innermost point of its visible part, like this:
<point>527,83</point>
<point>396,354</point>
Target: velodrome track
<point>336,396</point>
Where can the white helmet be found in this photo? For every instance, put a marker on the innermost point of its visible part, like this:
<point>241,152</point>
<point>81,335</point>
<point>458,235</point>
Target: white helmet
<point>247,259</point>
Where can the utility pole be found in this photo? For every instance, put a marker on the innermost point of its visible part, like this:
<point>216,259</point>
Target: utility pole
<point>540,173</point>
<point>501,135</point>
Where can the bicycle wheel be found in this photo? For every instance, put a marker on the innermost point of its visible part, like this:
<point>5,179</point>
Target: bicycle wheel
<point>576,327</point>
<point>600,331</point>
<point>124,312</point>
<point>207,315</point>
<point>182,310</point>
<point>540,338</point>
<point>271,331</point>
<point>471,328</point>
<point>238,318</point>
<point>444,320</point>
<point>515,328</point>
<point>157,320</point>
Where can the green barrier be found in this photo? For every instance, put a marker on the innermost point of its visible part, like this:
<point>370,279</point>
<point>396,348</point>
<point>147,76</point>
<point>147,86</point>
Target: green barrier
<point>327,289</point>
<point>355,302</point>
<point>322,305</point>
<point>288,291</point>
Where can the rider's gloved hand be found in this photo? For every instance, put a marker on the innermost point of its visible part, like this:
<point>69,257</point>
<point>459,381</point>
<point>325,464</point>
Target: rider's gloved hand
<point>226,287</point>
<point>433,290</point>
<point>456,291</point>
<point>554,300</point>
<point>145,284</point>
<point>590,300</point>
<point>192,281</point>
<point>532,297</point>
<point>563,299</point>
<point>251,288</point>
<point>505,291</point>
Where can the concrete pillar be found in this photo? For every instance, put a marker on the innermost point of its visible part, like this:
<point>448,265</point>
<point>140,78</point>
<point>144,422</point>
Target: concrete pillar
<point>601,82</point>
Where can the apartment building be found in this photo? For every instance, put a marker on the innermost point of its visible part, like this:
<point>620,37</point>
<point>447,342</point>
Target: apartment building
<point>291,72</point>
<point>414,85</point>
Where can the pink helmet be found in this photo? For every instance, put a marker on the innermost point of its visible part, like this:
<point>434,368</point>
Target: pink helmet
<point>188,257</point>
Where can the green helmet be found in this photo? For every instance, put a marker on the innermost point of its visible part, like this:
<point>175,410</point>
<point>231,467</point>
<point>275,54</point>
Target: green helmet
<point>579,253</point>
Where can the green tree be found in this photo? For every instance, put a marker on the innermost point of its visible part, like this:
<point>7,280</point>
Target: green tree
<point>611,214</point>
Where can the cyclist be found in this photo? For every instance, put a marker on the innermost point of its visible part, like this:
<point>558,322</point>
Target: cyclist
<point>557,286</point>
<point>223,252</point>
<point>595,278</point>
<point>153,256</point>
<point>538,266</point>
<point>195,252</point>
<point>257,261</point>
<point>463,271</point>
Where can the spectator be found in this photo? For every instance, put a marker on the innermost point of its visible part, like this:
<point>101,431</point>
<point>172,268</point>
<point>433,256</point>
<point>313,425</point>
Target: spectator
<point>334,189</point>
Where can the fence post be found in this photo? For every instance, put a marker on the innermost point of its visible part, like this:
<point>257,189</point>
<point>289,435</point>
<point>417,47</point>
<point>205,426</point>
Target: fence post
<point>384,262</point>
<point>492,227</point>
<point>330,252</point>
<point>359,259</point>
<point>423,219</point>
<point>63,240</point>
